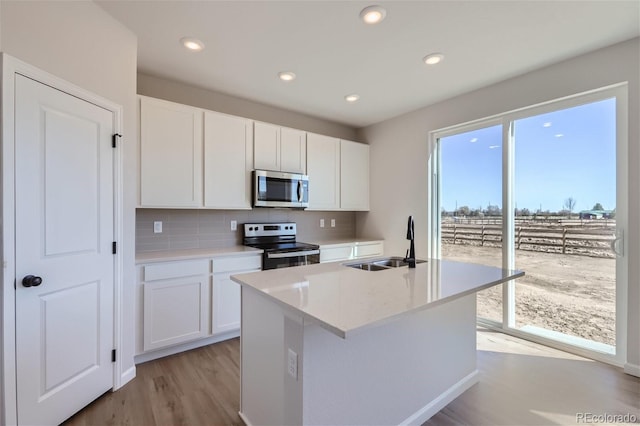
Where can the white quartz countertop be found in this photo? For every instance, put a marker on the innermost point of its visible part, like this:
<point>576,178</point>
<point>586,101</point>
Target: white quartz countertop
<point>344,300</point>
<point>168,255</point>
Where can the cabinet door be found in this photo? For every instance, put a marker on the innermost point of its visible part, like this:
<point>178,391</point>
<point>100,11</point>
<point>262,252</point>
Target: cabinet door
<point>226,304</point>
<point>170,154</point>
<point>354,176</point>
<point>293,151</point>
<point>175,311</point>
<point>266,146</point>
<point>323,168</point>
<point>228,143</point>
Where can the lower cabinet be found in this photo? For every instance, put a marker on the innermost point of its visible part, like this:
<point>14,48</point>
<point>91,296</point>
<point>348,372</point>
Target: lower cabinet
<point>175,311</point>
<point>187,303</point>
<point>350,251</point>
<point>226,293</point>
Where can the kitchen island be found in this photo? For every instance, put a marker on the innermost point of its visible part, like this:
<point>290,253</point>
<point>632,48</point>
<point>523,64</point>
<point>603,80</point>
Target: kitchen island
<point>331,344</point>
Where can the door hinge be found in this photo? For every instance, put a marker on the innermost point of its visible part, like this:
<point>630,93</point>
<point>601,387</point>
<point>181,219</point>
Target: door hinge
<point>113,355</point>
<point>114,247</point>
<point>113,139</point>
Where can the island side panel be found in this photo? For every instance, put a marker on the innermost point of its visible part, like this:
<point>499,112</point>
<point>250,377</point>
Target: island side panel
<point>400,372</point>
<point>262,369</point>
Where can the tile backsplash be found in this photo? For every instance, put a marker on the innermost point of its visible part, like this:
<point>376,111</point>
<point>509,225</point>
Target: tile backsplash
<point>188,229</point>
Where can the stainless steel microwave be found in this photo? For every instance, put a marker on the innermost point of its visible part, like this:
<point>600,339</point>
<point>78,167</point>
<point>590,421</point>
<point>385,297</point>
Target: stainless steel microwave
<point>279,189</point>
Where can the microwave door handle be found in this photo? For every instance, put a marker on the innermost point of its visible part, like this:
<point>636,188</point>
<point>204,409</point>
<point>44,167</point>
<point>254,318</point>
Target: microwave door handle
<point>299,191</point>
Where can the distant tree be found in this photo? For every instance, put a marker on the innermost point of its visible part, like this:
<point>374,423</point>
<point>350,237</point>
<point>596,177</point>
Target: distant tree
<point>493,211</point>
<point>463,211</point>
<point>525,212</point>
<point>597,206</point>
<point>475,212</point>
<point>569,204</point>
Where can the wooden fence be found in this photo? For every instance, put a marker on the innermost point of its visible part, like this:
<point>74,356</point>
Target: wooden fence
<point>569,238</point>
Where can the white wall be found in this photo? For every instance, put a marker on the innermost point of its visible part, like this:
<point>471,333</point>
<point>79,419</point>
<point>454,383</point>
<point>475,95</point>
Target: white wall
<point>399,151</point>
<point>79,42</point>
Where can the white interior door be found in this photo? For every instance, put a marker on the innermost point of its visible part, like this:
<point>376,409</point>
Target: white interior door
<point>64,234</point>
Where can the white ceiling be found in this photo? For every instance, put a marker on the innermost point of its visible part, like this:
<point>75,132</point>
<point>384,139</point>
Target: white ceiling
<point>334,54</point>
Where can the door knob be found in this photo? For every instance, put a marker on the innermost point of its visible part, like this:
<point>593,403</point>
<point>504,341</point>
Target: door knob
<point>31,281</point>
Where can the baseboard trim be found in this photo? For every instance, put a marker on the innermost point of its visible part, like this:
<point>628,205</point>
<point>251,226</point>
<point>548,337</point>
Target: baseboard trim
<point>632,369</point>
<point>127,376</point>
<point>429,410</point>
<point>244,418</point>
<point>172,350</point>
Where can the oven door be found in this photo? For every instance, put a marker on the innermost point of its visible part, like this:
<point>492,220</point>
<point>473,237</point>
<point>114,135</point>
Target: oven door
<point>276,260</point>
<point>277,189</point>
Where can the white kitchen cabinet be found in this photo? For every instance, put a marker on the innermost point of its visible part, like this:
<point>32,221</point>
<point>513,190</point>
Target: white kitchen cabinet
<point>293,150</point>
<point>266,146</point>
<point>226,293</point>
<point>228,159</point>
<point>350,250</point>
<point>170,154</point>
<point>354,176</point>
<point>279,148</point>
<point>176,303</point>
<point>187,303</point>
<point>323,168</point>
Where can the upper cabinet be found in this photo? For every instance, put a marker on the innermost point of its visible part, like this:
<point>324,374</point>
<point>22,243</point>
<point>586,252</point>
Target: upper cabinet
<point>338,174</point>
<point>279,148</point>
<point>228,160</point>
<point>170,154</point>
<point>323,167</point>
<point>293,151</point>
<point>193,158</point>
<point>354,176</point>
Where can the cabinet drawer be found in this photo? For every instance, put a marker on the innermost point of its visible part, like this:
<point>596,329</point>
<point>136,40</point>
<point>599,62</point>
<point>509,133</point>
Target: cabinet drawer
<point>366,250</point>
<point>336,253</point>
<point>167,270</point>
<point>239,263</point>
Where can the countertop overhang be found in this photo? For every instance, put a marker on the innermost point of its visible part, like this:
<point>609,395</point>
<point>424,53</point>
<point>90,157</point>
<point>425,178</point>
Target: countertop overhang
<point>345,300</point>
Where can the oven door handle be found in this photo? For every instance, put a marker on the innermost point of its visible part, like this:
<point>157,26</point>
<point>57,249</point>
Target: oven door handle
<point>292,254</point>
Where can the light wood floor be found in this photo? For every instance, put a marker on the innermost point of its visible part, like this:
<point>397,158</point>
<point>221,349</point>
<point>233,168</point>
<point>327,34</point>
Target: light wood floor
<point>521,383</point>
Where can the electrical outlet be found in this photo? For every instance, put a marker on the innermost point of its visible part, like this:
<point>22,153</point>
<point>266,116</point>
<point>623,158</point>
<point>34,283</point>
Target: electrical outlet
<point>157,227</point>
<point>292,364</point>
<point>234,225</point>
<point>333,223</point>
<point>321,223</point>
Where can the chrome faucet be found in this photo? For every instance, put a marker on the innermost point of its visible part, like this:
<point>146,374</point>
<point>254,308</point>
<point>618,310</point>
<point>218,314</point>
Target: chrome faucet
<point>411,253</point>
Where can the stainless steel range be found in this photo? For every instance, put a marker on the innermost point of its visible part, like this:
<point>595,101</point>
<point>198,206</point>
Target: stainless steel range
<point>278,240</point>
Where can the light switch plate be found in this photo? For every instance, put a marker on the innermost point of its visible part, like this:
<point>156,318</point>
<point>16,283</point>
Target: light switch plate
<point>333,223</point>
<point>157,227</point>
<point>234,225</point>
<point>321,223</point>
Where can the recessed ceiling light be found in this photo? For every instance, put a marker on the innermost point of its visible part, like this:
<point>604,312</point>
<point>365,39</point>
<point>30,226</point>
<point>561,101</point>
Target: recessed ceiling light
<point>559,135</point>
<point>192,43</point>
<point>473,140</point>
<point>286,76</point>
<point>494,146</point>
<point>433,58</point>
<point>547,124</point>
<point>352,98</point>
<point>373,14</point>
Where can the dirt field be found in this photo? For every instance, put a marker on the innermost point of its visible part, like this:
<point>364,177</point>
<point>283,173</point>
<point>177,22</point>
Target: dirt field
<point>571,294</point>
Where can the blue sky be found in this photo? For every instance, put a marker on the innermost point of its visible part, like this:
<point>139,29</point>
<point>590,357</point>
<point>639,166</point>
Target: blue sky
<point>567,153</point>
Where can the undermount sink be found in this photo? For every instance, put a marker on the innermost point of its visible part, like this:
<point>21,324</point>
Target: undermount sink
<point>381,264</point>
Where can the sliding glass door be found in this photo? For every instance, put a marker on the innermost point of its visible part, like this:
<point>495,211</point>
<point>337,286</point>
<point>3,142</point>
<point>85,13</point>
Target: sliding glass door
<point>542,189</point>
<point>471,205</point>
